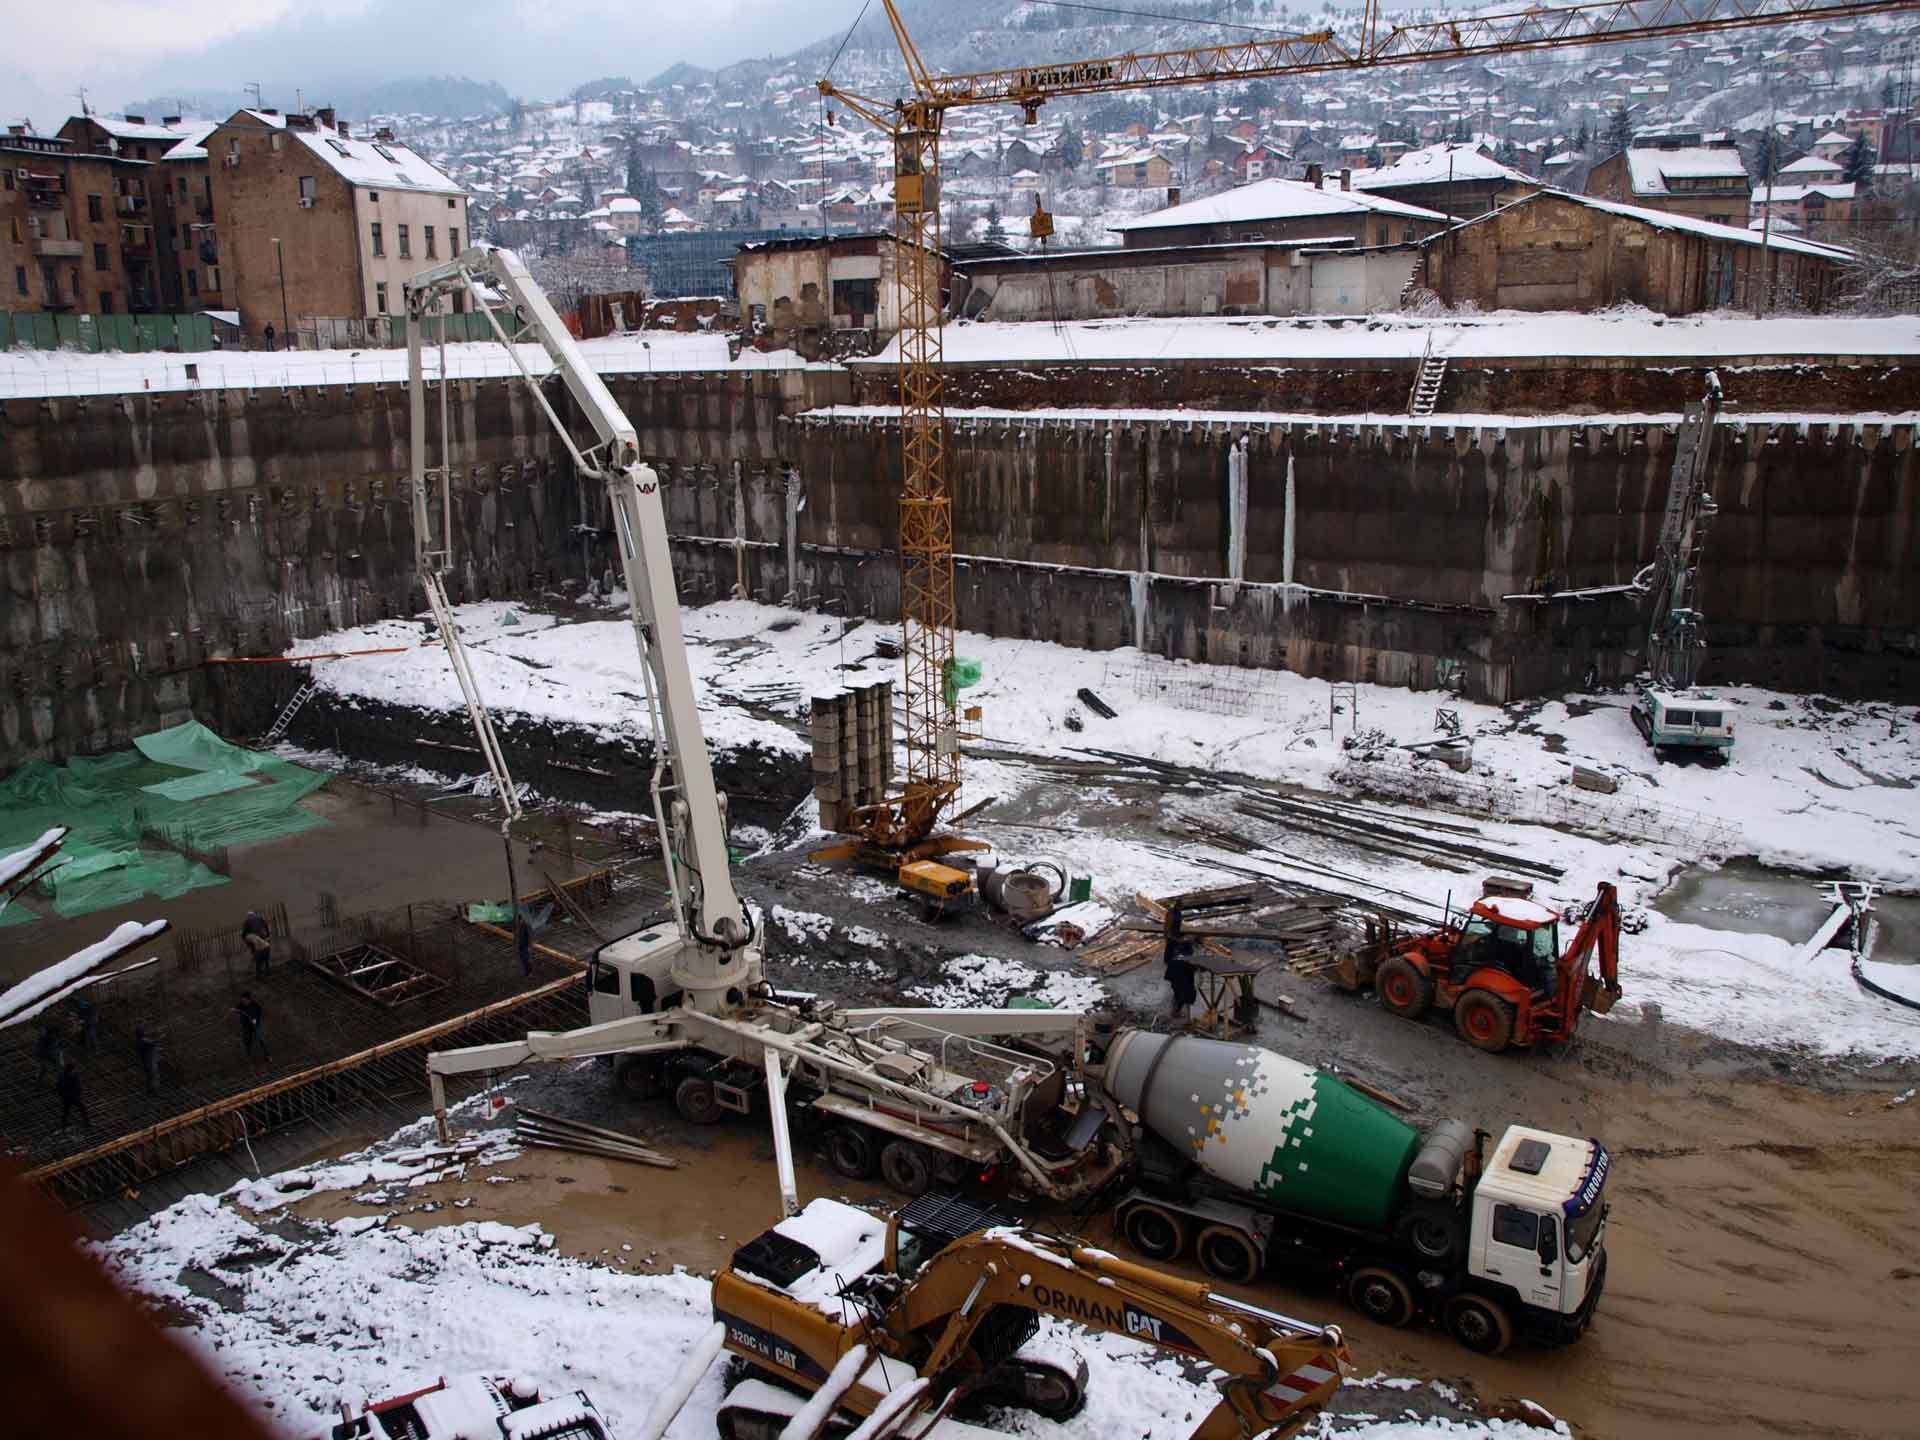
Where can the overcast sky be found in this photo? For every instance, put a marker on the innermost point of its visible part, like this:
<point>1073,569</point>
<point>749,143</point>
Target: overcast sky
<point>128,49</point>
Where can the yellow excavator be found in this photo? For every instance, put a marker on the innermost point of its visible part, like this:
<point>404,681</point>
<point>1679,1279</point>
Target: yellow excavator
<point>886,1326</point>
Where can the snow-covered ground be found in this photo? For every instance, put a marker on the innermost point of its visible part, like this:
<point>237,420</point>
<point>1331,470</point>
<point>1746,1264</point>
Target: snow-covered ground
<point>1627,331</point>
<point>26,372</point>
<point>1813,784</point>
<point>310,1314</point>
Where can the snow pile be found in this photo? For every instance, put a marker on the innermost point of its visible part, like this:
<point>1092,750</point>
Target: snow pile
<point>19,862</point>
<point>986,981</point>
<point>45,987</point>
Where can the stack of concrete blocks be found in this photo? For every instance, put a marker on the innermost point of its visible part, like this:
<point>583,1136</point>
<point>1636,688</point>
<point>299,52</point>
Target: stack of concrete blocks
<point>852,751</point>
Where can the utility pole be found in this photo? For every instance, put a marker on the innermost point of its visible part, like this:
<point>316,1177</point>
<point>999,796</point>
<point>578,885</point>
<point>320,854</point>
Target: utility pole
<point>1769,166</point>
<point>286,323</point>
<point>81,96</point>
<point>254,86</point>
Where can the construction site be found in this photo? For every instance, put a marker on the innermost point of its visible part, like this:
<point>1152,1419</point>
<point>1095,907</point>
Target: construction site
<point>1090,841</point>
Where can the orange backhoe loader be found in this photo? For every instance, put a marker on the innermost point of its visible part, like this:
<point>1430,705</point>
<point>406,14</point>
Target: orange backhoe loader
<point>1499,969</point>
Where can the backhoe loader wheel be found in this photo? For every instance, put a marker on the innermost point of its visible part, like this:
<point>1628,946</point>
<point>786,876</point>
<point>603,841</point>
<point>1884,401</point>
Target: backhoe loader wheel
<point>1157,1234</point>
<point>1479,1324</point>
<point>1403,989</point>
<point>906,1166</point>
<point>1228,1253</point>
<point>696,1101</point>
<point>1484,1021</point>
<point>1381,1296</point>
<point>851,1151</point>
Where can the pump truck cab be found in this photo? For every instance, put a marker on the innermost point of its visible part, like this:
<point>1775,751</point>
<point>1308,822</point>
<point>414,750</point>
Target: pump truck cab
<point>1248,1162</point>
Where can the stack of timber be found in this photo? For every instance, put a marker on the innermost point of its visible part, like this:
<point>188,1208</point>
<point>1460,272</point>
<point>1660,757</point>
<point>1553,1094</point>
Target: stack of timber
<point>556,1132</point>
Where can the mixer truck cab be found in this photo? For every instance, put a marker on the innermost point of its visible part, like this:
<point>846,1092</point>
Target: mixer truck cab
<point>1249,1162</point>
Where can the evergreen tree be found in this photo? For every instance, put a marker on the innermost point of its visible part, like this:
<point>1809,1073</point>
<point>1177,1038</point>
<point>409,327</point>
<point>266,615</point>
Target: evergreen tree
<point>1766,156</point>
<point>1619,129</point>
<point>1857,163</point>
<point>996,232</point>
<point>1583,137</point>
<point>1072,149</point>
<point>1886,93</point>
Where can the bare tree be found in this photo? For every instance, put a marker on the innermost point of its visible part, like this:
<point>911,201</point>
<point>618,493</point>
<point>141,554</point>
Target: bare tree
<point>595,268</point>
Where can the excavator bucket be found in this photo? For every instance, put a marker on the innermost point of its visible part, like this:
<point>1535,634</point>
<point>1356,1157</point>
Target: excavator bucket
<point>1598,996</point>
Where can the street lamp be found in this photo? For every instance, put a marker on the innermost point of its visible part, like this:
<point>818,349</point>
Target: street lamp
<point>286,324</point>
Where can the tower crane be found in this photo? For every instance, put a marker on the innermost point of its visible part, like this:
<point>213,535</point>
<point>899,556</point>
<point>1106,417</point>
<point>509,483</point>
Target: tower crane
<point>904,826</point>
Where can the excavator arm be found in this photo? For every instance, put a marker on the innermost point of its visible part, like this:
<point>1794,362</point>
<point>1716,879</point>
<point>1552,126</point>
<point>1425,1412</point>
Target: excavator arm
<point>1277,1370</point>
<point>1582,986</point>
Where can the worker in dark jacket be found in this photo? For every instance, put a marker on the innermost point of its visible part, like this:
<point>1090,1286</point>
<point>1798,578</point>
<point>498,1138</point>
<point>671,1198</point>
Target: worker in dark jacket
<point>259,939</point>
<point>49,1050</point>
<point>146,1049</point>
<point>86,1015</point>
<point>67,1087</point>
<point>253,1021</point>
<point>1179,963</point>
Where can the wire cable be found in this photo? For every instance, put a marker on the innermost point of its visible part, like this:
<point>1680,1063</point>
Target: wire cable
<point>845,38</point>
<point>1158,15</point>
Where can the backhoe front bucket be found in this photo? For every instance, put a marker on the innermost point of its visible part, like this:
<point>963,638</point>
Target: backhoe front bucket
<point>1597,996</point>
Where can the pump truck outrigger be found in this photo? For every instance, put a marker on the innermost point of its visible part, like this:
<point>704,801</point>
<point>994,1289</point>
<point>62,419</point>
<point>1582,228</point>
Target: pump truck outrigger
<point>684,1007</point>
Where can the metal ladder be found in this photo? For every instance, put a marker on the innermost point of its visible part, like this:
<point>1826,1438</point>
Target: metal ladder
<point>1426,388</point>
<point>288,711</point>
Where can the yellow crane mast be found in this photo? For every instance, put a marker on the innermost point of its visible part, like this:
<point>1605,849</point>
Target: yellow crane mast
<point>903,828</point>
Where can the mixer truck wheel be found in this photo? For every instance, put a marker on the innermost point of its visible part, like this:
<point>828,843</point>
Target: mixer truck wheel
<point>1431,1233</point>
<point>1227,1254</point>
<point>1484,1021</point>
<point>1479,1324</point>
<point>1381,1296</point>
<point>850,1150</point>
<point>906,1166</point>
<point>1157,1234</point>
<point>1403,989</point>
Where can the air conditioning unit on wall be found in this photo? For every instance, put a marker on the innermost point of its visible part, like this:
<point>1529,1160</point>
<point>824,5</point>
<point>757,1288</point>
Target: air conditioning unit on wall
<point>306,202</point>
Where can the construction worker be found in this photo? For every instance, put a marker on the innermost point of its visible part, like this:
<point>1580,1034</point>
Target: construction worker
<point>253,1021</point>
<point>259,939</point>
<point>147,1050</point>
<point>1179,970</point>
<point>49,1050</point>
<point>87,1016</point>
<point>67,1087</point>
<point>523,938</point>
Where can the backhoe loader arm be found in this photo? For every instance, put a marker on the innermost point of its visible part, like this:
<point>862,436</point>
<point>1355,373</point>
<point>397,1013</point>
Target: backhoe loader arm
<point>1599,933</point>
<point>1278,1370</point>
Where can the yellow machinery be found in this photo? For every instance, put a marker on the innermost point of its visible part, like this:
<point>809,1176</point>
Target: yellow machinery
<point>902,830</point>
<point>905,1320</point>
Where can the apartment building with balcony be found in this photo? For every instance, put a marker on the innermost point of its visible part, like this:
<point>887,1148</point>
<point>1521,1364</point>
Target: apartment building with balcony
<point>77,229</point>
<point>1683,173</point>
<point>318,227</point>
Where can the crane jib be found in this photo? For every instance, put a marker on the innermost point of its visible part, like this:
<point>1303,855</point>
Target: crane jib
<point>1092,73</point>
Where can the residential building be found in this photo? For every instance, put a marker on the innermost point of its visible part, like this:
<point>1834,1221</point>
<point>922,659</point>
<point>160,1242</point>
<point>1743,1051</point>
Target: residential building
<point>320,229</point>
<point>1822,208</point>
<point>1678,174</point>
<point>76,230</point>
<point>1556,251</point>
<point>159,269</point>
<point>1460,180</point>
<point>1294,210</point>
<point>1135,170</point>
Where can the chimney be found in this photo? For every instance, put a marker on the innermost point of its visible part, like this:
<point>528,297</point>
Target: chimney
<point>269,110</point>
<point>136,119</point>
<point>325,116</point>
<point>346,131</point>
<point>300,122</point>
<point>16,129</point>
<point>1346,177</point>
<point>384,133</point>
<point>169,119</point>
<point>1315,175</point>
<point>1173,195</point>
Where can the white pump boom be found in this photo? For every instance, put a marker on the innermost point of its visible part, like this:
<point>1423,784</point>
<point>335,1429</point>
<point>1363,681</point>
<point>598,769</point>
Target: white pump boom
<point>717,955</point>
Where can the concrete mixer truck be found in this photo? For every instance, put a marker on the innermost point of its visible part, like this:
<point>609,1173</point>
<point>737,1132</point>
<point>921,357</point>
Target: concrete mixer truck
<point>1248,1161</point>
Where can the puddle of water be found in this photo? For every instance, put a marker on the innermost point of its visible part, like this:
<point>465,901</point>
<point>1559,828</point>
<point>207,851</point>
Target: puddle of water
<point>1758,900</point>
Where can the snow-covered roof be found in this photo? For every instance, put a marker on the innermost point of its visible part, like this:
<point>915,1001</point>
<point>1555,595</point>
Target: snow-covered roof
<point>1650,170</point>
<point>1780,226</point>
<point>1812,165</point>
<point>1565,157</point>
<point>1668,220</point>
<point>1273,200</point>
<point>1834,137</point>
<point>1437,165</point>
<point>1130,157</point>
<point>194,145</point>
<point>376,164</point>
<point>145,130</point>
<point>621,205</point>
<point>1794,194</point>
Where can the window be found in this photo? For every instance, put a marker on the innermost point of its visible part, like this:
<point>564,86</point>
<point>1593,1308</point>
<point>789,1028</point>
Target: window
<point>406,245</point>
<point>430,254</point>
<point>93,208</point>
<point>20,278</point>
<point>100,258</point>
<point>606,979</point>
<point>338,148</point>
<point>385,154</point>
<point>106,302</point>
<point>213,278</point>
<point>379,245</point>
<point>139,152</point>
<point>193,281</point>
<point>13,229</point>
<point>380,296</point>
<point>1514,1226</point>
<point>309,189</point>
<point>453,239</point>
<point>8,177</point>
<point>1379,234</point>
<point>1677,718</point>
<point>233,152</point>
<point>373,197</point>
<point>183,187</point>
<point>450,204</point>
<point>278,140</point>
